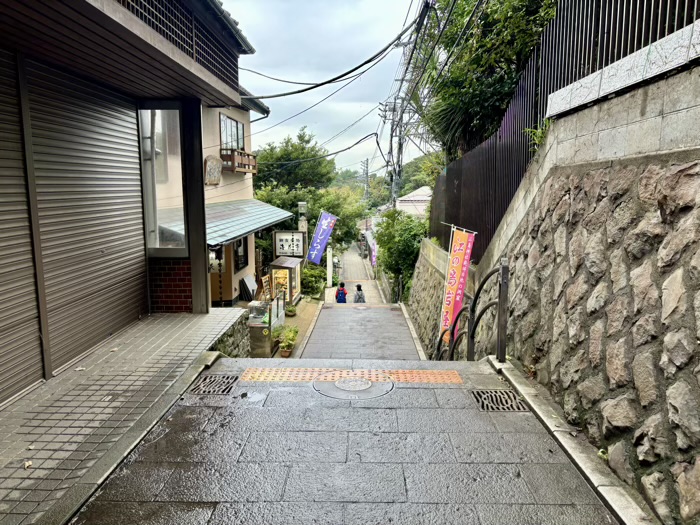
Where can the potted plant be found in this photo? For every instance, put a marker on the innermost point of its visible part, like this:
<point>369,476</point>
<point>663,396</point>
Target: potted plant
<point>276,338</point>
<point>288,340</point>
<point>290,310</point>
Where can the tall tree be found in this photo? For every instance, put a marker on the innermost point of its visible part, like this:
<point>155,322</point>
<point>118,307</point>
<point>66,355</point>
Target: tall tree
<point>421,171</point>
<point>470,97</point>
<point>287,163</point>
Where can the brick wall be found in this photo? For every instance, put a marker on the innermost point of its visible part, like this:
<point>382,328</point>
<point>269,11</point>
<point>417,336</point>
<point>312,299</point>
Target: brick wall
<point>170,283</point>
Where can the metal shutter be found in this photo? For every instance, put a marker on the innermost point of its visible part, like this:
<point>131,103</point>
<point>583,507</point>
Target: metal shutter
<point>86,159</point>
<point>20,346</point>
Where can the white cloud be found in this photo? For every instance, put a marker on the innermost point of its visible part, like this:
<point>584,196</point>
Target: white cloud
<point>310,41</point>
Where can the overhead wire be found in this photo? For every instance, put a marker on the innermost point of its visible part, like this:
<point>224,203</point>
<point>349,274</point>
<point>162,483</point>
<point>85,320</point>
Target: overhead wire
<point>349,127</point>
<point>355,77</point>
<point>337,77</point>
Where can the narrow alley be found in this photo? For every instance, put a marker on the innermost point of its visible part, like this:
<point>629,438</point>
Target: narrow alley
<point>373,330</point>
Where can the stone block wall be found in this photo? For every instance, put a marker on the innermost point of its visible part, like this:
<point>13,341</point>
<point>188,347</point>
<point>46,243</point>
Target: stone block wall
<point>235,342</point>
<point>603,240</point>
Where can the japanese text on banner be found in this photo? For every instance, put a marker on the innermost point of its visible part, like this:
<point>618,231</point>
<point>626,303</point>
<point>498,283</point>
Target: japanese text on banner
<point>456,279</point>
<point>322,235</point>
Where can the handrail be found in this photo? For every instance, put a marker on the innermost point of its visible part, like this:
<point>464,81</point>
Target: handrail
<point>474,319</point>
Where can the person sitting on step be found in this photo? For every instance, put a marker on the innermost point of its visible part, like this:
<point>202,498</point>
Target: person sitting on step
<point>341,294</point>
<point>359,295</point>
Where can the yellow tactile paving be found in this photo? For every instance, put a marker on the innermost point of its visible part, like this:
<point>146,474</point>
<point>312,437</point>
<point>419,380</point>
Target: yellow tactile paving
<point>306,375</point>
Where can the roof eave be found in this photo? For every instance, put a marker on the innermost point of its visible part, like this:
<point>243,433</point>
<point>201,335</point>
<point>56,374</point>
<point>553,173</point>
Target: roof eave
<point>246,47</point>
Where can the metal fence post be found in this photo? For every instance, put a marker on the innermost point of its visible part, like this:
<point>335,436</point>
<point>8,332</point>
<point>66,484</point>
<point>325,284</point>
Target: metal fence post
<point>502,311</point>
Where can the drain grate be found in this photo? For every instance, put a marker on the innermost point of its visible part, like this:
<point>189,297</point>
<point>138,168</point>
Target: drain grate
<point>499,401</point>
<point>214,385</point>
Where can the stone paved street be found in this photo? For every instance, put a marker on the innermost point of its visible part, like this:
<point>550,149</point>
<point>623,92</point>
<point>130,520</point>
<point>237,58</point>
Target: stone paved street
<point>355,270</point>
<point>52,438</point>
<point>276,451</point>
<point>361,332</point>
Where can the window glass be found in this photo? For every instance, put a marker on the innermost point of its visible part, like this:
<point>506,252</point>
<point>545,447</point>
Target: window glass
<point>161,167</point>
<point>231,133</point>
<point>240,254</point>
<point>241,137</point>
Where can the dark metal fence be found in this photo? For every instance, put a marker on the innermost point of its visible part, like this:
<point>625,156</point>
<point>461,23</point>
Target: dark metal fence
<point>585,36</point>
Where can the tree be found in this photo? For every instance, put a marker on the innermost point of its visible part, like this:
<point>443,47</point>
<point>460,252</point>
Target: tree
<point>347,178</point>
<point>344,203</point>
<point>399,236</point>
<point>378,191</point>
<point>280,163</point>
<point>421,171</point>
<point>469,99</point>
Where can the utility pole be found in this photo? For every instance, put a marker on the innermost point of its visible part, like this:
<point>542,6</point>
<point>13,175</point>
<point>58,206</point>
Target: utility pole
<point>364,176</point>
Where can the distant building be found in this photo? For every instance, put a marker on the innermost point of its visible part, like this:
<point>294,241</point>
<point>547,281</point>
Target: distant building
<point>416,202</point>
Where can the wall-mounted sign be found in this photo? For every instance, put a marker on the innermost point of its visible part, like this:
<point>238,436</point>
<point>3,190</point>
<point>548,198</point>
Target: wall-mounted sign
<point>289,243</point>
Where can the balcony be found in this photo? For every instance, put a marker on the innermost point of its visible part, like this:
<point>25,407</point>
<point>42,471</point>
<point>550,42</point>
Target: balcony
<point>239,161</point>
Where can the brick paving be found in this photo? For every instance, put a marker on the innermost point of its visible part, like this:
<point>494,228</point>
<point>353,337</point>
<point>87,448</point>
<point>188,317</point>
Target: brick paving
<point>66,425</point>
<point>278,453</point>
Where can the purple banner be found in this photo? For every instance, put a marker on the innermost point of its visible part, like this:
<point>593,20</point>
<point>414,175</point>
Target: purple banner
<point>374,253</point>
<point>322,235</point>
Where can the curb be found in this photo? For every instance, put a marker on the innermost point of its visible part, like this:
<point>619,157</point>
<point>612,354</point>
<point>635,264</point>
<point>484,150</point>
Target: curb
<point>414,334</point>
<point>310,330</point>
<point>626,506</point>
<point>76,496</point>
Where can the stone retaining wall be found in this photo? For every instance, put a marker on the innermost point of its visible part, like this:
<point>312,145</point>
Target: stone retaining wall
<point>235,342</point>
<point>427,293</point>
<point>604,303</point>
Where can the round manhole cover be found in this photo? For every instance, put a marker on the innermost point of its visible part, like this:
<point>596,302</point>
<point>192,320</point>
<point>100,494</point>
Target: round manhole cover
<point>354,385</point>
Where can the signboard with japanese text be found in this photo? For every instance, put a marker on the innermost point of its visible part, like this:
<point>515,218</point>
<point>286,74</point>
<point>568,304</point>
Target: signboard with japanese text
<point>456,276</point>
<point>322,235</point>
<point>267,287</point>
<point>289,243</point>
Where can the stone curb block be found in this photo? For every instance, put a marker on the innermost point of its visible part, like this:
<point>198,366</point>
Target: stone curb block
<point>625,505</point>
<point>414,334</point>
<point>310,330</point>
<point>77,495</point>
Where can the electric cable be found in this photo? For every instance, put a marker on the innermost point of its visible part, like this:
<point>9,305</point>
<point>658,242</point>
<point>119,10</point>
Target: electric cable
<point>337,77</point>
<point>350,126</point>
<point>359,75</point>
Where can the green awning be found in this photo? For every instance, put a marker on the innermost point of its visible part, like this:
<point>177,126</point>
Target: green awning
<point>228,221</point>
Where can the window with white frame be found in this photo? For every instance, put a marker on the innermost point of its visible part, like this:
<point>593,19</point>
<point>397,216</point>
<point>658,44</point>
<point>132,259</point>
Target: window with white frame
<point>232,133</point>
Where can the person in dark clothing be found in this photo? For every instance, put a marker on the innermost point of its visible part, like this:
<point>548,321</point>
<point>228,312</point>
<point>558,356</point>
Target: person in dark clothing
<point>341,294</point>
<point>359,295</point>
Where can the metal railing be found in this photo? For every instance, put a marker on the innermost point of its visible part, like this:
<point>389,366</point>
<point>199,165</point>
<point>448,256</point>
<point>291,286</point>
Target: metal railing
<point>584,37</point>
<point>474,318</point>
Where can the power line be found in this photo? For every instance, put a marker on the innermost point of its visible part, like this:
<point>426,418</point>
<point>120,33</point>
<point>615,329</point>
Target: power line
<point>323,99</point>
<point>350,126</point>
<point>283,80</point>
<point>337,77</point>
<point>286,163</point>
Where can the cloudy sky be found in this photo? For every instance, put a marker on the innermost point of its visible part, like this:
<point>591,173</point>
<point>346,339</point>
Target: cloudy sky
<point>313,40</point>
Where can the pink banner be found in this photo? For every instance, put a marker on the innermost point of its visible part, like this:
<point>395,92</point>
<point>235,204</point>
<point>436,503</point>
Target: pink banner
<point>456,279</point>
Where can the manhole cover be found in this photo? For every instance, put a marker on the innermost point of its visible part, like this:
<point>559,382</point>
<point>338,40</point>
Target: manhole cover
<point>499,401</point>
<point>214,385</point>
<point>353,386</point>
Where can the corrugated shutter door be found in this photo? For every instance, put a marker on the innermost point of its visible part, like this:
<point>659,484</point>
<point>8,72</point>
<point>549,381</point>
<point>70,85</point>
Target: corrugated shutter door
<point>86,159</point>
<point>20,345</point>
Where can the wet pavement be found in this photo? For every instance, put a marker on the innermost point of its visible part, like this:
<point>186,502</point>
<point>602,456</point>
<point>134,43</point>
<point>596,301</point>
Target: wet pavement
<point>361,332</point>
<point>58,441</point>
<point>275,451</point>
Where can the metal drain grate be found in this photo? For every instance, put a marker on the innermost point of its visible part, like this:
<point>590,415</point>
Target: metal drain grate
<point>214,385</point>
<point>499,401</point>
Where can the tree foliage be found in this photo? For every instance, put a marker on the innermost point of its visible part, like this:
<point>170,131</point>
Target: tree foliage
<point>469,99</point>
<point>399,236</point>
<point>421,171</point>
<point>344,203</point>
<point>318,173</point>
<point>347,178</point>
